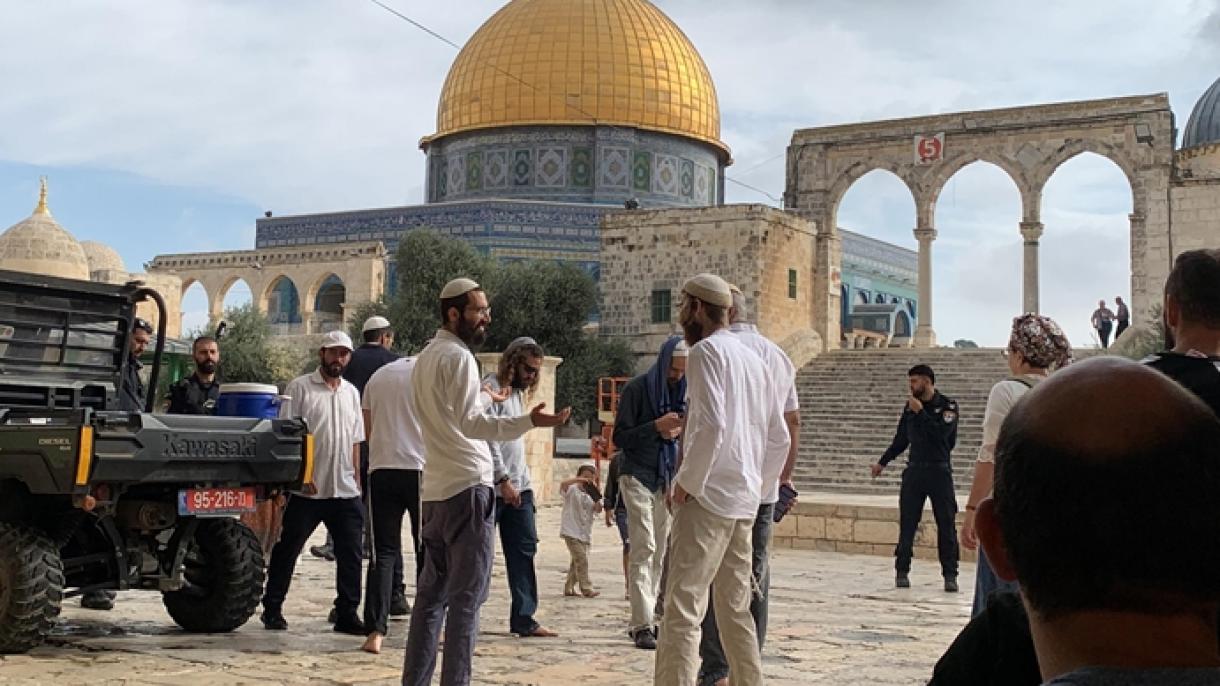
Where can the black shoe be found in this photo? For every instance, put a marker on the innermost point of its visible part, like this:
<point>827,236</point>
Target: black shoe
<point>902,580</point>
<point>333,616</point>
<point>323,551</point>
<point>950,584</point>
<point>274,621</point>
<point>399,607</point>
<point>644,639</point>
<point>351,625</point>
<point>98,600</point>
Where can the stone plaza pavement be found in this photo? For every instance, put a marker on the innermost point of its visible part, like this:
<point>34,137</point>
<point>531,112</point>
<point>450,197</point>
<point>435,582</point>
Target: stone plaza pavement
<point>835,619</point>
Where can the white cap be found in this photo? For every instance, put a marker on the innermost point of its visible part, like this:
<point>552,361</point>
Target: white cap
<point>336,339</point>
<point>710,289</point>
<point>374,323</point>
<point>681,350</point>
<point>457,287</point>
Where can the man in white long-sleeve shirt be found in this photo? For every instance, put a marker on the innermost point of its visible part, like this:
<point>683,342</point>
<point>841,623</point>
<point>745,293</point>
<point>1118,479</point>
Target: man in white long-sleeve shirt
<point>458,502</point>
<point>736,444</point>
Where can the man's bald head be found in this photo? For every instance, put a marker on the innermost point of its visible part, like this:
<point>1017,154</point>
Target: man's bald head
<point>1107,492</point>
<point>1106,408</point>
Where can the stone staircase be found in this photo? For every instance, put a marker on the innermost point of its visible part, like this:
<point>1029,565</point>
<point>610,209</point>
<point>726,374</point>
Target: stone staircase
<point>851,401</point>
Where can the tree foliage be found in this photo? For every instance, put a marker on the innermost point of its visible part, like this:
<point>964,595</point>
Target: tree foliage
<point>248,353</point>
<point>965,343</point>
<point>426,261</point>
<point>547,301</point>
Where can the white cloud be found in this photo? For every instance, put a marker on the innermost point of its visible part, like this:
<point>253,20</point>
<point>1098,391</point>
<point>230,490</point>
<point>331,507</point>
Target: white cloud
<point>318,105</point>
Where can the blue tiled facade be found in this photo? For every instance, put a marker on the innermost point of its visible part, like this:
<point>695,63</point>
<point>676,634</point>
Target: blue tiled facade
<point>508,230</point>
<point>876,272</point>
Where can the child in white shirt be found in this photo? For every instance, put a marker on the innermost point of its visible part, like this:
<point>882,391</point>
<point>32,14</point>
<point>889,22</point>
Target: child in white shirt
<point>581,500</point>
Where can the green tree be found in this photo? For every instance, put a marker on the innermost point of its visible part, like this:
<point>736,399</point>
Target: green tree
<point>426,261</point>
<point>551,302</point>
<point>965,343</point>
<point>548,301</point>
<point>248,352</point>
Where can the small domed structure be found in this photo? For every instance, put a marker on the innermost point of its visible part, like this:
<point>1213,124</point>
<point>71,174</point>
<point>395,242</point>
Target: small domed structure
<point>105,265</point>
<point>1203,128</point>
<point>102,257</point>
<point>39,245</point>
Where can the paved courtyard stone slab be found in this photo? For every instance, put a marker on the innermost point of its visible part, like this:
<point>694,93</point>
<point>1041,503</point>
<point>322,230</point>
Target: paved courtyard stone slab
<point>835,619</point>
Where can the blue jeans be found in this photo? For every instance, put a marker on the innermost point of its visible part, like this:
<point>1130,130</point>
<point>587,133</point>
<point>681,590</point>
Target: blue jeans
<point>715,665</point>
<point>986,583</point>
<point>519,541</point>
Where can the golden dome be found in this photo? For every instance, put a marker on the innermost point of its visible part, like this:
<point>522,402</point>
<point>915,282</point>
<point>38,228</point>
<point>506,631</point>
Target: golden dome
<point>39,245</point>
<point>580,62</point>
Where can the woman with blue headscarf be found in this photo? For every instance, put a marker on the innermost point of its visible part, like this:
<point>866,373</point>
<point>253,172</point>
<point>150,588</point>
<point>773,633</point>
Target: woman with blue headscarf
<point>646,429</point>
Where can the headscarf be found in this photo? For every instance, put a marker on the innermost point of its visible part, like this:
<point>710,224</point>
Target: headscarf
<point>1040,341</point>
<point>664,402</point>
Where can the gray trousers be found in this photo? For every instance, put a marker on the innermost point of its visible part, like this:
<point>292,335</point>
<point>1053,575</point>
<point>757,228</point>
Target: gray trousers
<point>458,541</point>
<point>715,665</point>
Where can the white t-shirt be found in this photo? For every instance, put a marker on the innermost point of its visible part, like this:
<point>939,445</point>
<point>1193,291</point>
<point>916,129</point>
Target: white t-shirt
<point>735,439</point>
<point>337,425</point>
<point>395,441</point>
<point>782,378</point>
<point>1000,400</point>
<point>577,519</point>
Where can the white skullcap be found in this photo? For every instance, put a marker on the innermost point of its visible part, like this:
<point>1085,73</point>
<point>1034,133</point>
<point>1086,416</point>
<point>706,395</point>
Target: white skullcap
<point>336,339</point>
<point>710,289</point>
<point>734,289</point>
<point>680,350</point>
<point>458,287</point>
<point>374,323</point>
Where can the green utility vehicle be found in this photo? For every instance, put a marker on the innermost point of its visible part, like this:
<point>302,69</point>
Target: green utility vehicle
<point>94,497</point>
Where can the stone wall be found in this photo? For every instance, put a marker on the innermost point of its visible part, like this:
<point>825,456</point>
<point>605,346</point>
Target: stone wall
<point>1195,200</point>
<point>539,443</point>
<point>360,266</point>
<point>849,525</point>
<point>753,246</point>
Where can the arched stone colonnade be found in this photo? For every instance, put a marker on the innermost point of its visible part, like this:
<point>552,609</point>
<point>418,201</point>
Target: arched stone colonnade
<point>1027,143</point>
<point>328,281</point>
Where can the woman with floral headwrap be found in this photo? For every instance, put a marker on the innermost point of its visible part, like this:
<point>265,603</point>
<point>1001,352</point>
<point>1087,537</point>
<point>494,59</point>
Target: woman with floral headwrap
<point>1036,347</point>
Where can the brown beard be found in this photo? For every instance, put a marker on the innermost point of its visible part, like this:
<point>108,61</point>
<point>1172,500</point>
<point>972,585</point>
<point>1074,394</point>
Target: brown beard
<point>472,336</point>
<point>333,370</point>
<point>692,331</point>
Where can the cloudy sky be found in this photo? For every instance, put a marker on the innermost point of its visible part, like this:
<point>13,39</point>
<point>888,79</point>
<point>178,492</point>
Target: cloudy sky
<point>170,125</point>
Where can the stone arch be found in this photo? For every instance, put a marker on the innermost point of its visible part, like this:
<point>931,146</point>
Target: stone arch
<point>848,178</point>
<point>1080,146</point>
<point>903,326</point>
<point>326,301</point>
<point>283,299</point>
<point>942,174</point>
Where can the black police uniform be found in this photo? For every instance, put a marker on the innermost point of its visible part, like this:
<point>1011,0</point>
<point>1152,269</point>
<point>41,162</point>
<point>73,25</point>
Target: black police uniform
<point>131,390</point>
<point>1198,374</point>
<point>931,434</point>
<point>192,396</point>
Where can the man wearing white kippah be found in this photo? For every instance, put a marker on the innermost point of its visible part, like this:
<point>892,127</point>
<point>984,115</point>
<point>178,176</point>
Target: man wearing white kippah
<point>458,501</point>
<point>735,442</point>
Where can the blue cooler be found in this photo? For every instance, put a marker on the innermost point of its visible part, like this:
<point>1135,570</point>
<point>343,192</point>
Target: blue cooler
<point>249,400</point>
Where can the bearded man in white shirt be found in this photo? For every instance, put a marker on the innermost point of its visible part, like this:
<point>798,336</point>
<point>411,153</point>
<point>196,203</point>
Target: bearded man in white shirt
<point>458,501</point>
<point>331,406</point>
<point>714,670</point>
<point>735,446</point>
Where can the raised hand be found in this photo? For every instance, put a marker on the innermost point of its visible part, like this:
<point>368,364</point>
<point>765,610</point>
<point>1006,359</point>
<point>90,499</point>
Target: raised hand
<point>544,420</point>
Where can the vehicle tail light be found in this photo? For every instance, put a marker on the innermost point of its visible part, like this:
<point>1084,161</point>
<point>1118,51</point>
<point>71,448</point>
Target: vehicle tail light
<point>307,470</point>
<point>84,457</point>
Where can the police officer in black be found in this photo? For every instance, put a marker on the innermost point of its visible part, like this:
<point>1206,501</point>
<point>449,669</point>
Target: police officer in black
<point>130,399</point>
<point>929,426</point>
<point>197,393</point>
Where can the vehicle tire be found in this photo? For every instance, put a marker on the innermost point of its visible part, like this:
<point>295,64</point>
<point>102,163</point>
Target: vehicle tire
<point>31,587</point>
<point>224,574</point>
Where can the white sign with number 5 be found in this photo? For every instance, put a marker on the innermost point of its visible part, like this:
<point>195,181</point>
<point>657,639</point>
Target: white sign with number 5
<point>929,149</point>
